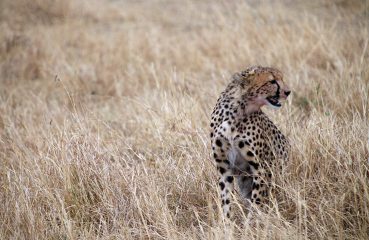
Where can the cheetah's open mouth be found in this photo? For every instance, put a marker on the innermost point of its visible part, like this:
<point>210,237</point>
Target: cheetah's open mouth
<point>274,101</point>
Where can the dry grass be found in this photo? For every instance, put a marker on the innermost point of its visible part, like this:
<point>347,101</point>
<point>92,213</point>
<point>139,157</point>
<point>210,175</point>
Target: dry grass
<point>104,111</point>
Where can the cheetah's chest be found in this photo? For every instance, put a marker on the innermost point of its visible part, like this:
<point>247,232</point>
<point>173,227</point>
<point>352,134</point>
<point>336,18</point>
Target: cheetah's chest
<point>257,133</point>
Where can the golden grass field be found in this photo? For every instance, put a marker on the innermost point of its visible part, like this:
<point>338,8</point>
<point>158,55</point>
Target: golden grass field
<point>105,107</point>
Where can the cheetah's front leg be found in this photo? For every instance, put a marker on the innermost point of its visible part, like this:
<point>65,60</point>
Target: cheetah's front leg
<point>260,186</point>
<point>226,189</point>
<point>220,147</point>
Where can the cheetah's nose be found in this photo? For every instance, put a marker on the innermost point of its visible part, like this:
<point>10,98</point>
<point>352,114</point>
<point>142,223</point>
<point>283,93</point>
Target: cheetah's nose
<point>287,92</point>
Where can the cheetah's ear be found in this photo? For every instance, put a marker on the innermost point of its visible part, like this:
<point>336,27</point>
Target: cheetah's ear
<point>240,78</point>
<point>252,71</point>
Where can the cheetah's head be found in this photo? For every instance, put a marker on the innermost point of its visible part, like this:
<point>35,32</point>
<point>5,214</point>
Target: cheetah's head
<point>264,86</point>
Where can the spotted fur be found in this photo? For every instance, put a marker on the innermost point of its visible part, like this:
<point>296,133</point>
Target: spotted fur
<point>244,141</point>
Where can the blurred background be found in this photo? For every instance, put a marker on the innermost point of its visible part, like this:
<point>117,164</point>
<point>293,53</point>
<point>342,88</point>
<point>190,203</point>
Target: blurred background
<point>104,111</point>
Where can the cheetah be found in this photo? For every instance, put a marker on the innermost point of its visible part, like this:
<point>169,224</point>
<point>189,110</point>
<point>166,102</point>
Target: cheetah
<point>244,141</point>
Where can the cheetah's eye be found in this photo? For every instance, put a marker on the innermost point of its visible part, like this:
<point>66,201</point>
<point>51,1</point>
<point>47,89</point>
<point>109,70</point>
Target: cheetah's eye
<point>273,81</point>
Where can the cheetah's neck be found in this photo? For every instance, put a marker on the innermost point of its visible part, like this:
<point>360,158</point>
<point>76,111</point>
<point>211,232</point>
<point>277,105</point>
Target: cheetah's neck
<point>240,104</point>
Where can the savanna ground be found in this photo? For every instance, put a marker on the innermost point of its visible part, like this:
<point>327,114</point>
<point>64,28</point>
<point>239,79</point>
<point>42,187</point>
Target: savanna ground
<point>105,105</point>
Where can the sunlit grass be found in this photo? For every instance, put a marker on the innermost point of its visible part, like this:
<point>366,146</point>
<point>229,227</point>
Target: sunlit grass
<point>105,108</point>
